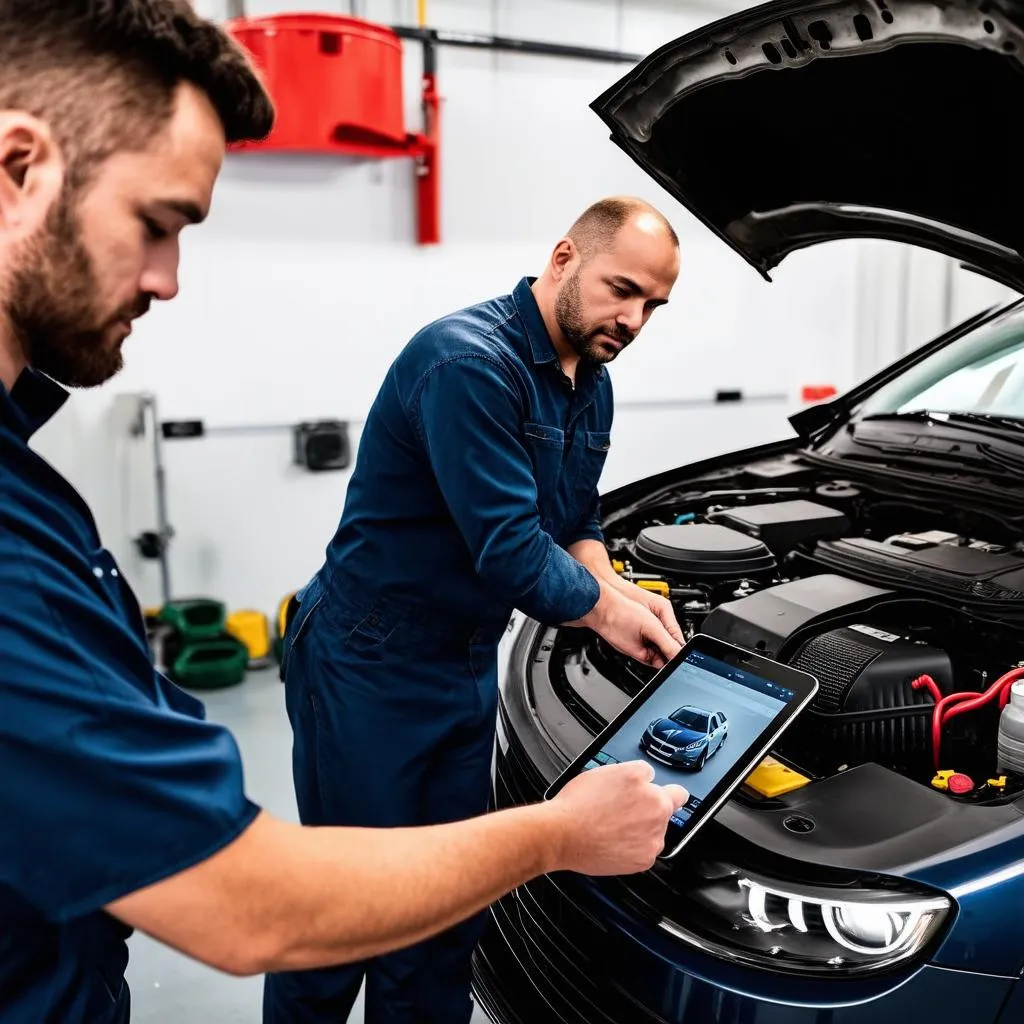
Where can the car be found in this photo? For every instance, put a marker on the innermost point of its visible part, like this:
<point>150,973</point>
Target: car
<point>686,738</point>
<point>879,547</point>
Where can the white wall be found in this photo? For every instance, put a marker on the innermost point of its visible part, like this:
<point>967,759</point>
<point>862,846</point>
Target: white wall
<point>307,280</point>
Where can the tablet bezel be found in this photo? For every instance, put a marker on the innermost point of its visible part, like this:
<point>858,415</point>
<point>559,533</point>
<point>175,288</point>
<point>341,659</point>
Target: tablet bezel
<point>803,683</point>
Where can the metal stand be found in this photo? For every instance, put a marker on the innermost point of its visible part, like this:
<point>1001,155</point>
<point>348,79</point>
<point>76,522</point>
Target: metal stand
<point>155,544</point>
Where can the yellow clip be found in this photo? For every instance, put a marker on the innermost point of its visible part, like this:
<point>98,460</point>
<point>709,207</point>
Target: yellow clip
<point>655,586</point>
<point>771,778</point>
<point>999,783</point>
<point>941,780</point>
<point>618,566</point>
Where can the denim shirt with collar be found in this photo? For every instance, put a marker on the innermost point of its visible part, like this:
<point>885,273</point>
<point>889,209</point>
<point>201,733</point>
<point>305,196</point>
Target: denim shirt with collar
<point>113,778</point>
<point>477,467</point>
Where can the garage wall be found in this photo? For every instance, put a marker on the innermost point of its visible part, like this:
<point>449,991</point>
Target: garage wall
<point>306,281</point>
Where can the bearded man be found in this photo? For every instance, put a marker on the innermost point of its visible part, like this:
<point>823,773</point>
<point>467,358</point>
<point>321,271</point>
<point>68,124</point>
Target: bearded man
<point>122,806</point>
<point>474,493</point>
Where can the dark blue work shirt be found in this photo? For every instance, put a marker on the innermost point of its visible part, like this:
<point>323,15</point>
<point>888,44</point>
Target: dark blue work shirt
<point>110,779</point>
<point>477,467</point>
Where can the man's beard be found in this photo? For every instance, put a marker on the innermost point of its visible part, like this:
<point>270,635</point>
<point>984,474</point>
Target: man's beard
<point>584,340</point>
<point>52,304</point>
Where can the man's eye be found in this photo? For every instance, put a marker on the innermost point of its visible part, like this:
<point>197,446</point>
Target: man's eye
<point>620,292</point>
<point>153,229</point>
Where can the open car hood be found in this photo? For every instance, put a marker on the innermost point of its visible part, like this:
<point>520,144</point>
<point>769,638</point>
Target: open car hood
<point>793,123</point>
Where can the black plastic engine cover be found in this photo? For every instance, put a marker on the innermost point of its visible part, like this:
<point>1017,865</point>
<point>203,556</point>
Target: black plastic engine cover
<point>782,525</point>
<point>767,619</point>
<point>861,668</point>
<point>867,708</point>
<point>703,550</point>
<point>970,572</point>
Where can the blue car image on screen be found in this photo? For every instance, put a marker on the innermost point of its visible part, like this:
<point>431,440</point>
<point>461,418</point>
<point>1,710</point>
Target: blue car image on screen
<point>687,738</point>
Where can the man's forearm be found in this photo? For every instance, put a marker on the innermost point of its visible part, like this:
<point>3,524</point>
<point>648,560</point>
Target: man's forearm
<point>593,555</point>
<point>287,897</point>
<point>360,892</point>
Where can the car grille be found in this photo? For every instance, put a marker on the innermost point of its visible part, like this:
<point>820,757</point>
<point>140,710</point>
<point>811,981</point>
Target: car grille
<point>540,935</point>
<point>661,749</point>
<point>541,940</point>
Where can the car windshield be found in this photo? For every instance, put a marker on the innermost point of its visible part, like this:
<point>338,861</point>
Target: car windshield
<point>981,374</point>
<point>691,719</point>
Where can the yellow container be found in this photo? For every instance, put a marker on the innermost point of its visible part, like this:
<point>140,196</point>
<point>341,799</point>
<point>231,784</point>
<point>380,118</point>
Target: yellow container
<point>654,586</point>
<point>253,629</point>
<point>284,613</point>
<point>771,778</point>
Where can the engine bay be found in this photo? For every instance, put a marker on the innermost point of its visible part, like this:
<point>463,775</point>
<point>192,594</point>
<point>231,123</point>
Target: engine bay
<point>913,626</point>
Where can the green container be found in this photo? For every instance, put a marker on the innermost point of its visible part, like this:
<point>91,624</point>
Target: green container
<point>210,664</point>
<point>195,619</point>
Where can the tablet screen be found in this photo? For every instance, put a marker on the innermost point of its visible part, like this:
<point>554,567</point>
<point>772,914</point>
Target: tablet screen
<point>706,717</point>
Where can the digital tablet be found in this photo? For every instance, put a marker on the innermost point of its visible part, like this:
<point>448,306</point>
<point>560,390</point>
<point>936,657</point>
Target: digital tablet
<point>704,721</point>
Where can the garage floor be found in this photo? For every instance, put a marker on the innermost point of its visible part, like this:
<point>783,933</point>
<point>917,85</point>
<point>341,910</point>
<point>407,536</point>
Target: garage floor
<point>169,987</point>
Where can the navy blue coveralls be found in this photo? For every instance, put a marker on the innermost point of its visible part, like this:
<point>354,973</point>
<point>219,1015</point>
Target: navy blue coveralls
<point>478,465</point>
<point>110,779</point>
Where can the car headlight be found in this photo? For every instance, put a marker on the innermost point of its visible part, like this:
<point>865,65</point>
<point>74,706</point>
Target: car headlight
<point>694,746</point>
<point>810,929</point>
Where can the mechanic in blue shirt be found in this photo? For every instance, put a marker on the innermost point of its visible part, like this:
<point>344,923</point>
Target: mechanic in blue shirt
<point>120,806</point>
<point>474,492</point>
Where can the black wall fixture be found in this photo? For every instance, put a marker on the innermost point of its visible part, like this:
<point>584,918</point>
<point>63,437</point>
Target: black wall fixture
<point>323,445</point>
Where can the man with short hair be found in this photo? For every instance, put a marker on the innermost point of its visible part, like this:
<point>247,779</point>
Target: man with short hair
<point>474,492</point>
<point>120,805</point>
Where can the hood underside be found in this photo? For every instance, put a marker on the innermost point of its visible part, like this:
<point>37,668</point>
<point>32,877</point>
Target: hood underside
<point>792,124</point>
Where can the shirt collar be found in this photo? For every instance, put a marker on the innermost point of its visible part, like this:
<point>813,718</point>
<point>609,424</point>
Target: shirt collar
<point>31,403</point>
<point>541,346</point>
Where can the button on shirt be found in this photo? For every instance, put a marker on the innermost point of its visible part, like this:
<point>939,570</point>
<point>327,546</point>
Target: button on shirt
<point>112,780</point>
<point>478,465</point>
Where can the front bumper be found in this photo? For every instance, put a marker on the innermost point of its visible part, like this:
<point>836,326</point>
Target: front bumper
<point>546,960</point>
<point>666,753</point>
<point>570,950</point>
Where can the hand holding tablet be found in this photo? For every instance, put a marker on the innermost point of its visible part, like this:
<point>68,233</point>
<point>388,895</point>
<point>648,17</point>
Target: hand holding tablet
<point>702,724</point>
<point>625,814</point>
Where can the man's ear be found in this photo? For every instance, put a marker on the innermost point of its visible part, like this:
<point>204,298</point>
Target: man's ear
<point>562,258</point>
<point>31,171</point>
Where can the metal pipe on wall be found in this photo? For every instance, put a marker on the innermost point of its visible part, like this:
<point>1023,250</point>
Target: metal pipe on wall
<point>170,429</point>
<point>446,37</point>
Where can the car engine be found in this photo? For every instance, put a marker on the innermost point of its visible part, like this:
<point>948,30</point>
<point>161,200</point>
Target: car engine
<point>888,603</point>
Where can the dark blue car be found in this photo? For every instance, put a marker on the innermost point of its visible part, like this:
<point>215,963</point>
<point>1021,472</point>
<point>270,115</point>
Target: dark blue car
<point>687,738</point>
<point>880,547</point>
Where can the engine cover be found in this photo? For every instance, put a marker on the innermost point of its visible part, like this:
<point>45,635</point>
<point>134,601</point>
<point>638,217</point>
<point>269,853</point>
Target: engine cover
<point>767,619</point>
<point>704,551</point>
<point>783,525</point>
<point>867,709</point>
<point>861,668</point>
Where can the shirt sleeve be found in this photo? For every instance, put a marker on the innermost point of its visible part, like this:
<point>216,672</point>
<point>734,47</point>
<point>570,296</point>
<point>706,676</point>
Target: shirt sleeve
<point>589,525</point>
<point>106,787</point>
<point>468,413</point>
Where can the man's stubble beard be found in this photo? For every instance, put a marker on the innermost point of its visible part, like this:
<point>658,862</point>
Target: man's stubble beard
<point>569,317</point>
<point>51,304</point>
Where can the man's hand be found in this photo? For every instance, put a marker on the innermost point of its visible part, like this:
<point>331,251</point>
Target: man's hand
<point>614,819</point>
<point>594,555</point>
<point>630,627</point>
<point>657,605</point>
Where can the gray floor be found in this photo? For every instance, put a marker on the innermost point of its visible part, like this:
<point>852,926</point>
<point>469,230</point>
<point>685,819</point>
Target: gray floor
<point>168,987</point>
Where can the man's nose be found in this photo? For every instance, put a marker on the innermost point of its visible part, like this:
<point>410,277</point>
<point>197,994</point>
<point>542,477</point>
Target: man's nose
<point>160,276</point>
<point>632,316</point>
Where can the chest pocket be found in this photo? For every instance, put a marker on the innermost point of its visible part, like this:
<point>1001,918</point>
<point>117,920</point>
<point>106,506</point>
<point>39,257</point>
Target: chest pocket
<point>594,446</point>
<point>547,450</point>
